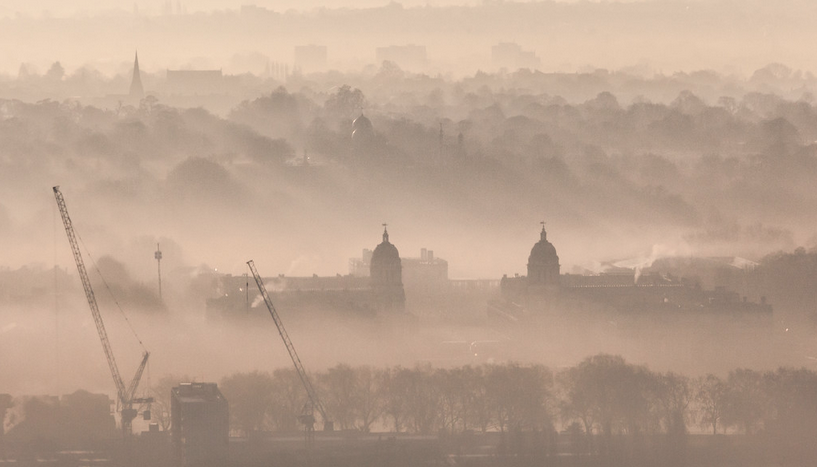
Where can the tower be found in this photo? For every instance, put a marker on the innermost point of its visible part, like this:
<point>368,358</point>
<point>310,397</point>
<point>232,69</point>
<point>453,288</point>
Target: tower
<point>543,264</point>
<point>386,273</point>
<point>136,90</point>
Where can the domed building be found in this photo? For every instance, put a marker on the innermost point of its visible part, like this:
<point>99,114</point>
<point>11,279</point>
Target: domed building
<point>386,273</point>
<point>543,263</point>
<point>540,288</point>
<point>362,129</point>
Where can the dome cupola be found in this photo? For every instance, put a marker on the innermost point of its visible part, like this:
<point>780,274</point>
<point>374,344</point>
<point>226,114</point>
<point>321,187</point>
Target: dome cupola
<point>386,271</point>
<point>543,263</point>
<point>362,128</point>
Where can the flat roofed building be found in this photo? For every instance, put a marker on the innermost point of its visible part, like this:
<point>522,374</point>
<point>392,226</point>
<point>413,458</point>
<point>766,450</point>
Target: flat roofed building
<point>200,420</point>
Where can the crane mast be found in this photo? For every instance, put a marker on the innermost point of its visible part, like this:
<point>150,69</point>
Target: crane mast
<point>314,401</point>
<point>125,394</point>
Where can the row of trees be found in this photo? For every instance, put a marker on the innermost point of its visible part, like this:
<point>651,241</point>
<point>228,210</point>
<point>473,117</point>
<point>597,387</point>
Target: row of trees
<point>603,395</point>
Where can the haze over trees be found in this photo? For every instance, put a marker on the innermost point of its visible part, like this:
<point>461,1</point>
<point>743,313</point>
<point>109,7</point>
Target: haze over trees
<point>607,406</point>
<point>466,167</point>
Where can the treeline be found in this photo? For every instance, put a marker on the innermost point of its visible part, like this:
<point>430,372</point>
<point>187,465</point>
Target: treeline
<point>724,176</point>
<point>601,401</point>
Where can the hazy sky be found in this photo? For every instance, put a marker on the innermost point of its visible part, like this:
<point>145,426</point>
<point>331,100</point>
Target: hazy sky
<point>67,8</point>
<point>60,8</point>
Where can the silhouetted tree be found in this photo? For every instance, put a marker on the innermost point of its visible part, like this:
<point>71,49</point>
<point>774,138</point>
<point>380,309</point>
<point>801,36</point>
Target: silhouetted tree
<point>345,104</point>
<point>710,393</point>
<point>340,387</point>
<point>6,402</point>
<point>745,400</point>
<point>160,409</point>
<point>369,396</point>
<point>288,400</point>
<point>250,396</point>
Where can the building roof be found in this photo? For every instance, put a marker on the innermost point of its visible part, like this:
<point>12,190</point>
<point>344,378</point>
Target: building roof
<point>543,252</point>
<point>385,251</point>
<point>193,393</point>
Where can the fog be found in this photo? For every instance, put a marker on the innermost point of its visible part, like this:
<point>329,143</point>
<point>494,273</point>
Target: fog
<point>649,37</point>
<point>671,144</point>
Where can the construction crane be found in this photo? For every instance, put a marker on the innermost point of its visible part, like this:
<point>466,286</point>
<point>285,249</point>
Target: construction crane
<point>307,417</point>
<point>125,394</point>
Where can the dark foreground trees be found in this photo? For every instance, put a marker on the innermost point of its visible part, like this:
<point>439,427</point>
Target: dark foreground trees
<point>604,406</point>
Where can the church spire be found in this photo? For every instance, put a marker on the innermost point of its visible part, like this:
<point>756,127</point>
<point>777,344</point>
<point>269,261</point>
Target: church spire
<point>543,235</point>
<point>385,233</point>
<point>136,90</point>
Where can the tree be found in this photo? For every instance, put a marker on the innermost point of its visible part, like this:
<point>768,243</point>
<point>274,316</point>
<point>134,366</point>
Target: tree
<point>412,399</point>
<point>56,72</point>
<point>710,392</point>
<point>674,395</point>
<point>6,402</point>
<point>340,387</point>
<point>422,399</point>
<point>478,412</point>
<point>395,388</point>
<point>369,397</point>
<point>452,394</point>
<point>250,396</point>
<point>288,400</point>
<point>160,409</point>
<point>518,395</point>
<point>745,400</point>
<point>345,103</point>
<point>609,396</point>
<point>791,420</point>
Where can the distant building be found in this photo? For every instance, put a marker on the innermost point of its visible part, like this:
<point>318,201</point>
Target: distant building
<point>367,148</point>
<point>200,82</point>
<point>362,130</point>
<point>373,287</point>
<point>359,267</point>
<point>412,57</point>
<point>543,264</point>
<point>137,92</point>
<point>310,58</point>
<point>69,422</point>
<point>200,424</point>
<point>623,289</point>
<point>421,273</point>
<point>386,275</point>
<point>511,56</point>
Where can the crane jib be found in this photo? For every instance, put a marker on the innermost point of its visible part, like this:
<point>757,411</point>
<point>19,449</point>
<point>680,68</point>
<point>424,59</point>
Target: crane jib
<point>310,390</point>
<point>125,394</point>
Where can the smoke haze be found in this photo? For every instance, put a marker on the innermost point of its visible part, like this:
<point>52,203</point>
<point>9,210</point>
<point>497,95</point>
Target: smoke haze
<point>672,142</point>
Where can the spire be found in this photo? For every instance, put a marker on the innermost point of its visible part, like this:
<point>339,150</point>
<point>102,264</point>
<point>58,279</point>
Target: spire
<point>385,233</point>
<point>136,90</point>
<point>543,235</point>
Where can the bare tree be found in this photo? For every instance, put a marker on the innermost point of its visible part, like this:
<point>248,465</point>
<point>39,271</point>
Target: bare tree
<point>745,400</point>
<point>160,409</point>
<point>339,393</point>
<point>369,397</point>
<point>250,398</point>
<point>710,393</point>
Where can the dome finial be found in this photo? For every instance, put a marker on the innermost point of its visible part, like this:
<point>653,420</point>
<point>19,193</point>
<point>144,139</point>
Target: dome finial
<point>385,233</point>
<point>543,235</point>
